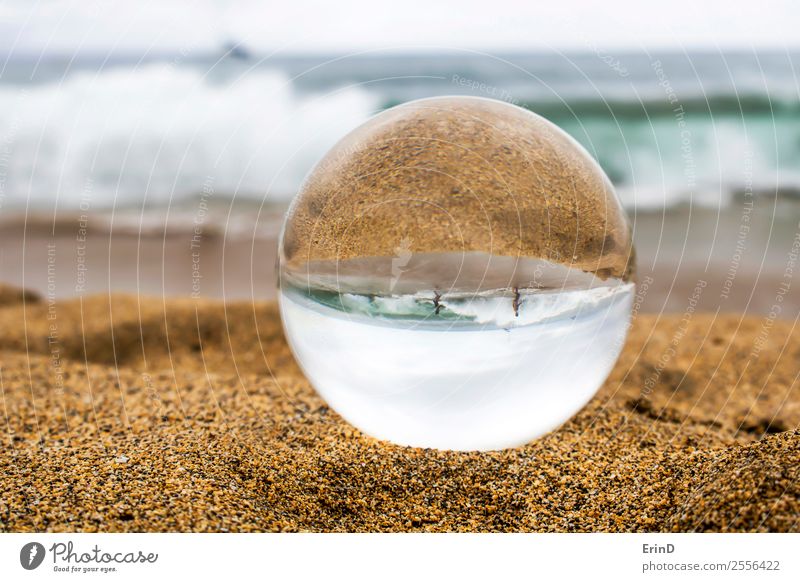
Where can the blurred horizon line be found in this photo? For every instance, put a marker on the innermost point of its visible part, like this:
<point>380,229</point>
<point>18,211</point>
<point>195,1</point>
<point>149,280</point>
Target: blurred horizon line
<point>242,51</point>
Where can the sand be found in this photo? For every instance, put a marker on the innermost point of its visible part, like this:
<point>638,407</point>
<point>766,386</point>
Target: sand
<point>457,174</point>
<point>137,414</point>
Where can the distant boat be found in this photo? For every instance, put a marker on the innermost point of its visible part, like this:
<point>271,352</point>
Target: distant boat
<point>236,50</point>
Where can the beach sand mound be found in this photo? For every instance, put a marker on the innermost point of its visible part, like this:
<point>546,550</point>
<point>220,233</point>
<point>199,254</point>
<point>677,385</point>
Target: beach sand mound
<point>137,414</point>
<point>12,296</point>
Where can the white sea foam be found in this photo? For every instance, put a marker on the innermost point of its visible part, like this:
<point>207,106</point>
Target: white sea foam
<point>162,132</point>
<point>496,309</point>
<point>536,307</point>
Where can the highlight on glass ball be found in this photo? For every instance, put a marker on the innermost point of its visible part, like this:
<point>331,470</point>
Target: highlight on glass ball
<point>456,273</point>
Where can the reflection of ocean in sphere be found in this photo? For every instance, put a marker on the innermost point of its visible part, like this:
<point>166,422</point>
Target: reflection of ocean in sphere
<point>456,273</point>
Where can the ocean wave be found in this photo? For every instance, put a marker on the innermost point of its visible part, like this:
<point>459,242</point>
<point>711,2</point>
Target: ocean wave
<point>152,135</point>
<point>157,133</point>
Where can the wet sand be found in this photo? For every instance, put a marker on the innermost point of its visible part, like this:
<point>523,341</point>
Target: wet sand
<point>148,414</point>
<point>229,252</point>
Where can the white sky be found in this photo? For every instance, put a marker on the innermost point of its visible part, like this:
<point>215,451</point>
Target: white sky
<point>67,26</point>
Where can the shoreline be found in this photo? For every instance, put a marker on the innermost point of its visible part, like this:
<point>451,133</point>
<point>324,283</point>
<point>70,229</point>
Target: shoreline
<point>747,265</point>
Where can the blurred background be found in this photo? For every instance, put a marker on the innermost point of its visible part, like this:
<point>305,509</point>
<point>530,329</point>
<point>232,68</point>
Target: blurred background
<point>152,147</point>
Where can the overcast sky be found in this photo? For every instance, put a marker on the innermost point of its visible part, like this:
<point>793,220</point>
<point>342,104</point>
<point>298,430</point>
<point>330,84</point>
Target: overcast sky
<point>135,26</point>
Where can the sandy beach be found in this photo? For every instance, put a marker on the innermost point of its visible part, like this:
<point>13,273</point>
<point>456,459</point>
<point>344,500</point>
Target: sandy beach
<point>147,414</point>
<point>147,386</point>
<point>272,269</point>
<point>745,254</point>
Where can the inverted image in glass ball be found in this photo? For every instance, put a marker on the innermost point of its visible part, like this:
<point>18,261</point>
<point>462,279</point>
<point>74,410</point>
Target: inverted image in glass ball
<point>456,273</point>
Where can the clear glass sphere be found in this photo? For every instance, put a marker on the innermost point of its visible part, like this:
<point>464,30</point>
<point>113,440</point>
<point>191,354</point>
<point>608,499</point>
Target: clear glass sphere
<point>456,273</point>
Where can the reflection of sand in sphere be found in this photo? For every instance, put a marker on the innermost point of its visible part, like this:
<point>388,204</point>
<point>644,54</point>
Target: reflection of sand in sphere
<point>460,174</point>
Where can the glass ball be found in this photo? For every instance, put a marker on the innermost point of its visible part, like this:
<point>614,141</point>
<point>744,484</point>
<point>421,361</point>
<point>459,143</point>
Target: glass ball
<point>456,273</point>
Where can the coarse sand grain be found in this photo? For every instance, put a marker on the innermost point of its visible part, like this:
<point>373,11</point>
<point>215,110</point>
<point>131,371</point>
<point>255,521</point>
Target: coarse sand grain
<point>144,414</point>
